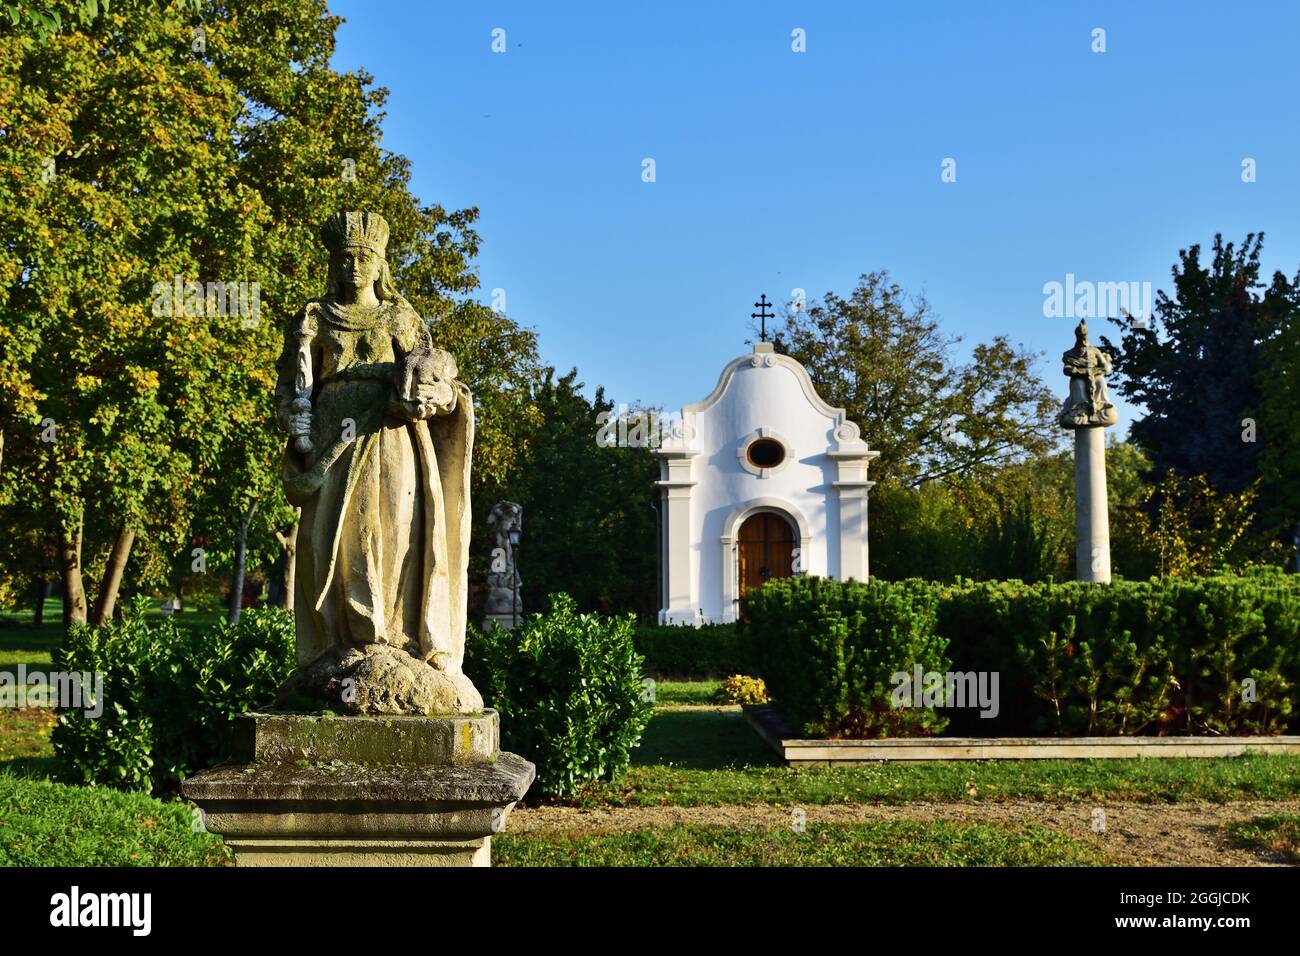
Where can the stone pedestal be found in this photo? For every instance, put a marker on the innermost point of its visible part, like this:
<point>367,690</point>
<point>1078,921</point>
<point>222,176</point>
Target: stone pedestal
<point>507,621</point>
<point>362,791</point>
<point>1091,517</point>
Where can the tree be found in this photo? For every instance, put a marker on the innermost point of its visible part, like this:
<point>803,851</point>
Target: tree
<point>118,174</point>
<point>202,141</point>
<point>881,355</point>
<point>1196,371</point>
<point>589,528</point>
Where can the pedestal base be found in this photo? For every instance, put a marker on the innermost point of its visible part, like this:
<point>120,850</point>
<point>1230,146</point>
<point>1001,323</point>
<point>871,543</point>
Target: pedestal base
<point>362,791</point>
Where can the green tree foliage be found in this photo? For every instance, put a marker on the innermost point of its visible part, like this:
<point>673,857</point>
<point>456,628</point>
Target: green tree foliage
<point>589,528</point>
<point>1216,373</point>
<point>204,141</point>
<point>882,356</point>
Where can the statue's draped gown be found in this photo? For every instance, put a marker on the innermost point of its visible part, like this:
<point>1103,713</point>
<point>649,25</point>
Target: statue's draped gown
<point>384,535</point>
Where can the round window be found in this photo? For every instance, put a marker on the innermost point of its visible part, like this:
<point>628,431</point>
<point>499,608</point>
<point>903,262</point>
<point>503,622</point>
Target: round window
<point>765,453</point>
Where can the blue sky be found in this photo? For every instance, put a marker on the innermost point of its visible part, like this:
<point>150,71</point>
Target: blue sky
<point>778,170</point>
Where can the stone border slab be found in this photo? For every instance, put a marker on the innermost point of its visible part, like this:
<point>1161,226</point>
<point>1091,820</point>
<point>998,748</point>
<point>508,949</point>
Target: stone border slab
<point>771,726</point>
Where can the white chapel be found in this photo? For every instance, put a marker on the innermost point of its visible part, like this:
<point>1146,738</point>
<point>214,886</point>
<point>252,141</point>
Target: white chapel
<point>761,479</point>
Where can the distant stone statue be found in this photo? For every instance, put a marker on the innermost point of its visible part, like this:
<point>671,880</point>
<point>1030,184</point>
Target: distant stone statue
<point>381,435</point>
<point>504,603</point>
<point>1087,367</point>
<point>1087,411</point>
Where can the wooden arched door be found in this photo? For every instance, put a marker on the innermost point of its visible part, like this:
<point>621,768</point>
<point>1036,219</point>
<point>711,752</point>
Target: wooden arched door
<point>766,544</point>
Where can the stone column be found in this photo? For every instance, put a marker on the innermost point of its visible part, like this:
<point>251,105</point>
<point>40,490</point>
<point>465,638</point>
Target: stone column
<point>852,459</point>
<point>1088,411</point>
<point>1091,517</point>
<point>676,484</point>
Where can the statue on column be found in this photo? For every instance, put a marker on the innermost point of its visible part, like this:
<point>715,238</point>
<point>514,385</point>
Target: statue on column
<point>504,603</point>
<point>1087,367</point>
<point>1087,411</point>
<point>380,437</point>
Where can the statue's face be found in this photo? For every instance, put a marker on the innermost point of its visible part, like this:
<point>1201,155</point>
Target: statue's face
<point>358,267</point>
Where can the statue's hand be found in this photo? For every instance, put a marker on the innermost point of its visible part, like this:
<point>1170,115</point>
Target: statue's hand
<point>300,423</point>
<point>435,398</point>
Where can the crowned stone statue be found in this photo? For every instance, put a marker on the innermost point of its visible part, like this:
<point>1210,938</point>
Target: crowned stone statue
<point>380,437</point>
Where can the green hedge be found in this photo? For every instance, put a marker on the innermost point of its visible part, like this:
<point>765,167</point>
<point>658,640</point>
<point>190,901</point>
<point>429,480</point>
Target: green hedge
<point>569,692</point>
<point>169,694</point>
<point>714,650</point>
<point>1155,657</point>
<point>1161,657</point>
<point>827,650</point>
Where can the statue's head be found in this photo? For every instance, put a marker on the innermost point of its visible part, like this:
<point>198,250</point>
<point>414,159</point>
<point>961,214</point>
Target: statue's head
<point>506,515</point>
<point>1081,334</point>
<point>358,247</point>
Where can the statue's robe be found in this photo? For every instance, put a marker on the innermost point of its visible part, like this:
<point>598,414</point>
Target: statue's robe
<point>383,542</point>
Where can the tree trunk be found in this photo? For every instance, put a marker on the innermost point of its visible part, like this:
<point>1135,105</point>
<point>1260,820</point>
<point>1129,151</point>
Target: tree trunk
<point>289,542</point>
<point>241,555</point>
<point>74,592</point>
<point>42,590</point>
<point>113,576</point>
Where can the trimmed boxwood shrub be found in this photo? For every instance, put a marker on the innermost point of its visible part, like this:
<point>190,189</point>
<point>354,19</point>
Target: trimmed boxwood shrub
<point>568,688</point>
<point>169,695</point>
<point>827,650</point>
<point>714,650</point>
<point>1212,655</point>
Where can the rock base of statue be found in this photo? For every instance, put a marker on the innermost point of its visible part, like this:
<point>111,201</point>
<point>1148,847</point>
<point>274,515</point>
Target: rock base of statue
<point>378,680</point>
<point>362,791</point>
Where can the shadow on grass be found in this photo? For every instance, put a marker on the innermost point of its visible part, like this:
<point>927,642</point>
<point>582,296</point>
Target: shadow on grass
<point>701,740</point>
<point>31,768</point>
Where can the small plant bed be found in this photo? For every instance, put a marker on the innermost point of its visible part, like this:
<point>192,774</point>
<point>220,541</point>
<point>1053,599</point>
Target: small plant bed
<point>797,752</point>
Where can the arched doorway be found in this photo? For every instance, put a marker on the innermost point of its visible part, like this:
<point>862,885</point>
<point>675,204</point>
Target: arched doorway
<point>765,549</point>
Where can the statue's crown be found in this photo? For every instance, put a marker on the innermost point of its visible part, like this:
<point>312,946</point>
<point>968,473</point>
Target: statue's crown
<point>345,229</point>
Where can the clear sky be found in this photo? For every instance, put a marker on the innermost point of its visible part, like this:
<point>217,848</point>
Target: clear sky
<point>778,170</point>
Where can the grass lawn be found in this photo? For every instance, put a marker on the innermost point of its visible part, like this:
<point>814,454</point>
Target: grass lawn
<point>685,692</point>
<point>1279,833</point>
<point>880,843</point>
<point>49,824</point>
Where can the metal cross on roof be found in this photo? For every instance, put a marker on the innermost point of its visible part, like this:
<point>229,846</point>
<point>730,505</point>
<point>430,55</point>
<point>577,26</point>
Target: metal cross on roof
<point>762,315</point>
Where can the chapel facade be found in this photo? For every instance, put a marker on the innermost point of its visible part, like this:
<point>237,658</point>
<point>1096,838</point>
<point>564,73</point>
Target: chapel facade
<point>761,479</point>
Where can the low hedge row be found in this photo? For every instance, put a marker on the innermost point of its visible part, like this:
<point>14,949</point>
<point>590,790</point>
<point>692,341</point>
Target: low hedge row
<point>568,687</point>
<point>714,650</point>
<point>1215,655</point>
<point>169,694</point>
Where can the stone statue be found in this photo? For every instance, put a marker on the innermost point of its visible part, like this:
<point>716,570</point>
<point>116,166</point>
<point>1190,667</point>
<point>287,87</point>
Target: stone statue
<point>381,434</point>
<point>504,603</point>
<point>1087,367</point>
